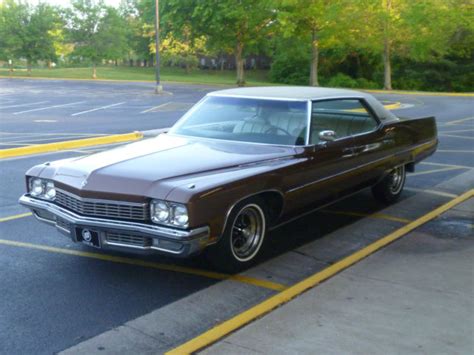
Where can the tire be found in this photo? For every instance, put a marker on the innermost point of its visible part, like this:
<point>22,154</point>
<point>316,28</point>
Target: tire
<point>243,237</point>
<point>390,188</point>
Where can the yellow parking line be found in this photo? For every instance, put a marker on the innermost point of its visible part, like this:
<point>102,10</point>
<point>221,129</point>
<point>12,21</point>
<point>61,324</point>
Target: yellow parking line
<point>72,144</point>
<point>10,218</point>
<point>369,215</point>
<point>454,136</point>
<point>435,171</point>
<point>421,93</point>
<point>450,123</point>
<point>432,192</point>
<point>453,151</point>
<point>218,332</point>
<point>148,264</point>
<point>447,165</point>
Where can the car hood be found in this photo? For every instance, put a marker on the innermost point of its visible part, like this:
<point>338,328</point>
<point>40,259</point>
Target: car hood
<point>137,168</point>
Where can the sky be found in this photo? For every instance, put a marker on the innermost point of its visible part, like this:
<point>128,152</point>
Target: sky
<point>67,3</point>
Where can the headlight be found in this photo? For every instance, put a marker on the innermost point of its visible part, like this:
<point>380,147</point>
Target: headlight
<point>169,213</point>
<point>42,188</point>
<point>160,212</point>
<point>36,187</point>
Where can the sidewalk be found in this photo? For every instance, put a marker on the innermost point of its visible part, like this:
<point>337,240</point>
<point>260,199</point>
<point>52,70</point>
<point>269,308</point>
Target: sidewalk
<point>414,296</point>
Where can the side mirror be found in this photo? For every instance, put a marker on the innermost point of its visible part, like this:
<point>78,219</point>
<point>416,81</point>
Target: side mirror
<point>327,136</point>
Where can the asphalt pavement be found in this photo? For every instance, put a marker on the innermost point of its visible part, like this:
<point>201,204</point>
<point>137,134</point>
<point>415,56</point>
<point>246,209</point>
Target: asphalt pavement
<point>57,295</point>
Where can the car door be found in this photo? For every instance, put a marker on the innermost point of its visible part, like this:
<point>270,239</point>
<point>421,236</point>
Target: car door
<point>326,173</point>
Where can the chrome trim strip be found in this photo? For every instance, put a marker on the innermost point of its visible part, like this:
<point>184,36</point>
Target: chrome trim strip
<point>152,230</point>
<point>308,123</point>
<point>338,174</point>
<point>96,200</point>
<point>358,167</point>
<point>114,244</point>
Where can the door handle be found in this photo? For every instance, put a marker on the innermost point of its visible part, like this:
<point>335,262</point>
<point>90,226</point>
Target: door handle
<point>348,152</point>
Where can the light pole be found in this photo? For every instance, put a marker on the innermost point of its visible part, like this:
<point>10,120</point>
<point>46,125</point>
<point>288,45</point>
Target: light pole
<point>158,87</point>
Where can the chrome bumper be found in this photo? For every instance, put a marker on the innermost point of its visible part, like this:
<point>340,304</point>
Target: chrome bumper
<point>164,240</point>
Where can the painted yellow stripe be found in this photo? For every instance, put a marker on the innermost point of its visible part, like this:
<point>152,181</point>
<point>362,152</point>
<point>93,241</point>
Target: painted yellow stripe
<point>450,123</point>
<point>148,264</point>
<point>447,165</point>
<point>435,171</point>
<point>10,218</point>
<point>369,215</point>
<point>72,144</point>
<point>422,93</point>
<point>225,328</point>
<point>453,151</point>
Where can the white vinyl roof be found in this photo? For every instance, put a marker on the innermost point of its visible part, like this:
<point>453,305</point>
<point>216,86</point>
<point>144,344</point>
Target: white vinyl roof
<point>289,92</point>
<point>305,93</point>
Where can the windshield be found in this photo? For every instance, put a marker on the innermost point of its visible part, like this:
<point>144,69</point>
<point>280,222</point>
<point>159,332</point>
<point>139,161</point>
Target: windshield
<point>246,120</point>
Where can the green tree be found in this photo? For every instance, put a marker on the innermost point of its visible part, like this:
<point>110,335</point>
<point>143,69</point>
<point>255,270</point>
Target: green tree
<point>98,32</point>
<point>322,23</point>
<point>28,32</point>
<point>231,26</point>
<point>418,30</point>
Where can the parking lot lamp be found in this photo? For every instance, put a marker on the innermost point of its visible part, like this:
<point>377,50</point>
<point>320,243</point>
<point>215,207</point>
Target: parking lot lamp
<point>158,87</point>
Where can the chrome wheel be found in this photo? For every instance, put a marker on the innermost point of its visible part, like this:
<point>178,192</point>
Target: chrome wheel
<point>247,232</point>
<point>397,179</point>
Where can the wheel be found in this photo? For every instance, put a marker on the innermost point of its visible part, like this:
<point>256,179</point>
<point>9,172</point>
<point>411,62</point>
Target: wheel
<point>242,239</point>
<point>390,188</point>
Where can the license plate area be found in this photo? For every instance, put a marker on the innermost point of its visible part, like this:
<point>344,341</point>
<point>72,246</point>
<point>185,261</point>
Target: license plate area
<point>88,236</point>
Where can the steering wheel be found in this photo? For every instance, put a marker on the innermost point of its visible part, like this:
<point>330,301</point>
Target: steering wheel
<point>278,129</point>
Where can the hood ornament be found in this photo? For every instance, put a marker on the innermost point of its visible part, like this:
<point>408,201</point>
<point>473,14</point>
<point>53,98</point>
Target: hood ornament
<point>84,183</point>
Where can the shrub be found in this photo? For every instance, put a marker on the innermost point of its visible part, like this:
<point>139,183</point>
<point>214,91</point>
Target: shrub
<point>290,68</point>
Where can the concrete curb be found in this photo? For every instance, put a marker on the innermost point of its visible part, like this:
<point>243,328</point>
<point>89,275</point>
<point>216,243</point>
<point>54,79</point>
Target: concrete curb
<point>72,144</point>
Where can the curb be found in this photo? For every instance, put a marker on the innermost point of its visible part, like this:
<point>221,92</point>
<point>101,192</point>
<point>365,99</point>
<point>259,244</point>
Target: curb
<point>72,144</point>
<point>375,91</point>
<point>225,328</point>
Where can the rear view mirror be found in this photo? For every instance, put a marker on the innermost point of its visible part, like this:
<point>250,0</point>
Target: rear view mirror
<point>327,136</point>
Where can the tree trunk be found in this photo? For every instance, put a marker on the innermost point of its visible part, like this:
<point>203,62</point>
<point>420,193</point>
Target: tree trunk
<point>387,72</point>
<point>94,71</point>
<point>387,75</point>
<point>28,67</point>
<point>313,75</point>
<point>239,62</point>
<point>49,64</point>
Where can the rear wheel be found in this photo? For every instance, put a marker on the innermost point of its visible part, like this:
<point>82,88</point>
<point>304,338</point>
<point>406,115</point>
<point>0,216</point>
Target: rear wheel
<point>390,188</point>
<point>242,239</point>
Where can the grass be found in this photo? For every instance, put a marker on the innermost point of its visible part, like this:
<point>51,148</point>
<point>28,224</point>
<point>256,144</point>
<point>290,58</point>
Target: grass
<point>226,77</point>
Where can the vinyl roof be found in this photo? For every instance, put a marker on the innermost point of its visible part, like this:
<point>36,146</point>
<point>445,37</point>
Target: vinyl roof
<point>289,92</point>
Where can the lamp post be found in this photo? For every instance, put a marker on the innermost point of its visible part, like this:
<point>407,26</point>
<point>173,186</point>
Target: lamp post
<point>158,87</point>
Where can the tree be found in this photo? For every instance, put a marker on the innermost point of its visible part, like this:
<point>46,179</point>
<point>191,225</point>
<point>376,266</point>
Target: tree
<point>322,23</point>
<point>28,32</point>
<point>97,31</point>
<point>232,26</point>
<point>405,28</point>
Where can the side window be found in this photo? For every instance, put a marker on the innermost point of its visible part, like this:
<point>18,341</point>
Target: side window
<point>346,117</point>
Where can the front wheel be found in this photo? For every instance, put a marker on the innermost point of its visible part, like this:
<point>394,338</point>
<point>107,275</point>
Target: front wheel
<point>390,188</point>
<point>242,239</point>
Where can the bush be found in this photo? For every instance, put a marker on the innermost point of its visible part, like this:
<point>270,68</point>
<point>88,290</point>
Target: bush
<point>290,68</point>
<point>342,81</point>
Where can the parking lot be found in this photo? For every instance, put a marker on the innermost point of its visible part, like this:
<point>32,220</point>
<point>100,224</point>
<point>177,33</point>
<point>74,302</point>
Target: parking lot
<point>58,296</point>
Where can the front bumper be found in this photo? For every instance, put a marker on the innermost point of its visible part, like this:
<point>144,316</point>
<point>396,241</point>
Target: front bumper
<point>156,238</point>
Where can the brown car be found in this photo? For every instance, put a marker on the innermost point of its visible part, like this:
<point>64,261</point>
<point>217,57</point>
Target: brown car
<point>239,163</point>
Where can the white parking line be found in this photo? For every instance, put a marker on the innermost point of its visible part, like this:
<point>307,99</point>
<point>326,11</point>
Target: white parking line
<point>98,108</point>
<point>156,107</point>
<point>22,105</point>
<point>48,107</point>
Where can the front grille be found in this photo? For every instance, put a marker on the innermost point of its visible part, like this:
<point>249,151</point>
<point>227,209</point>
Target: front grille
<point>128,239</point>
<point>103,208</point>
